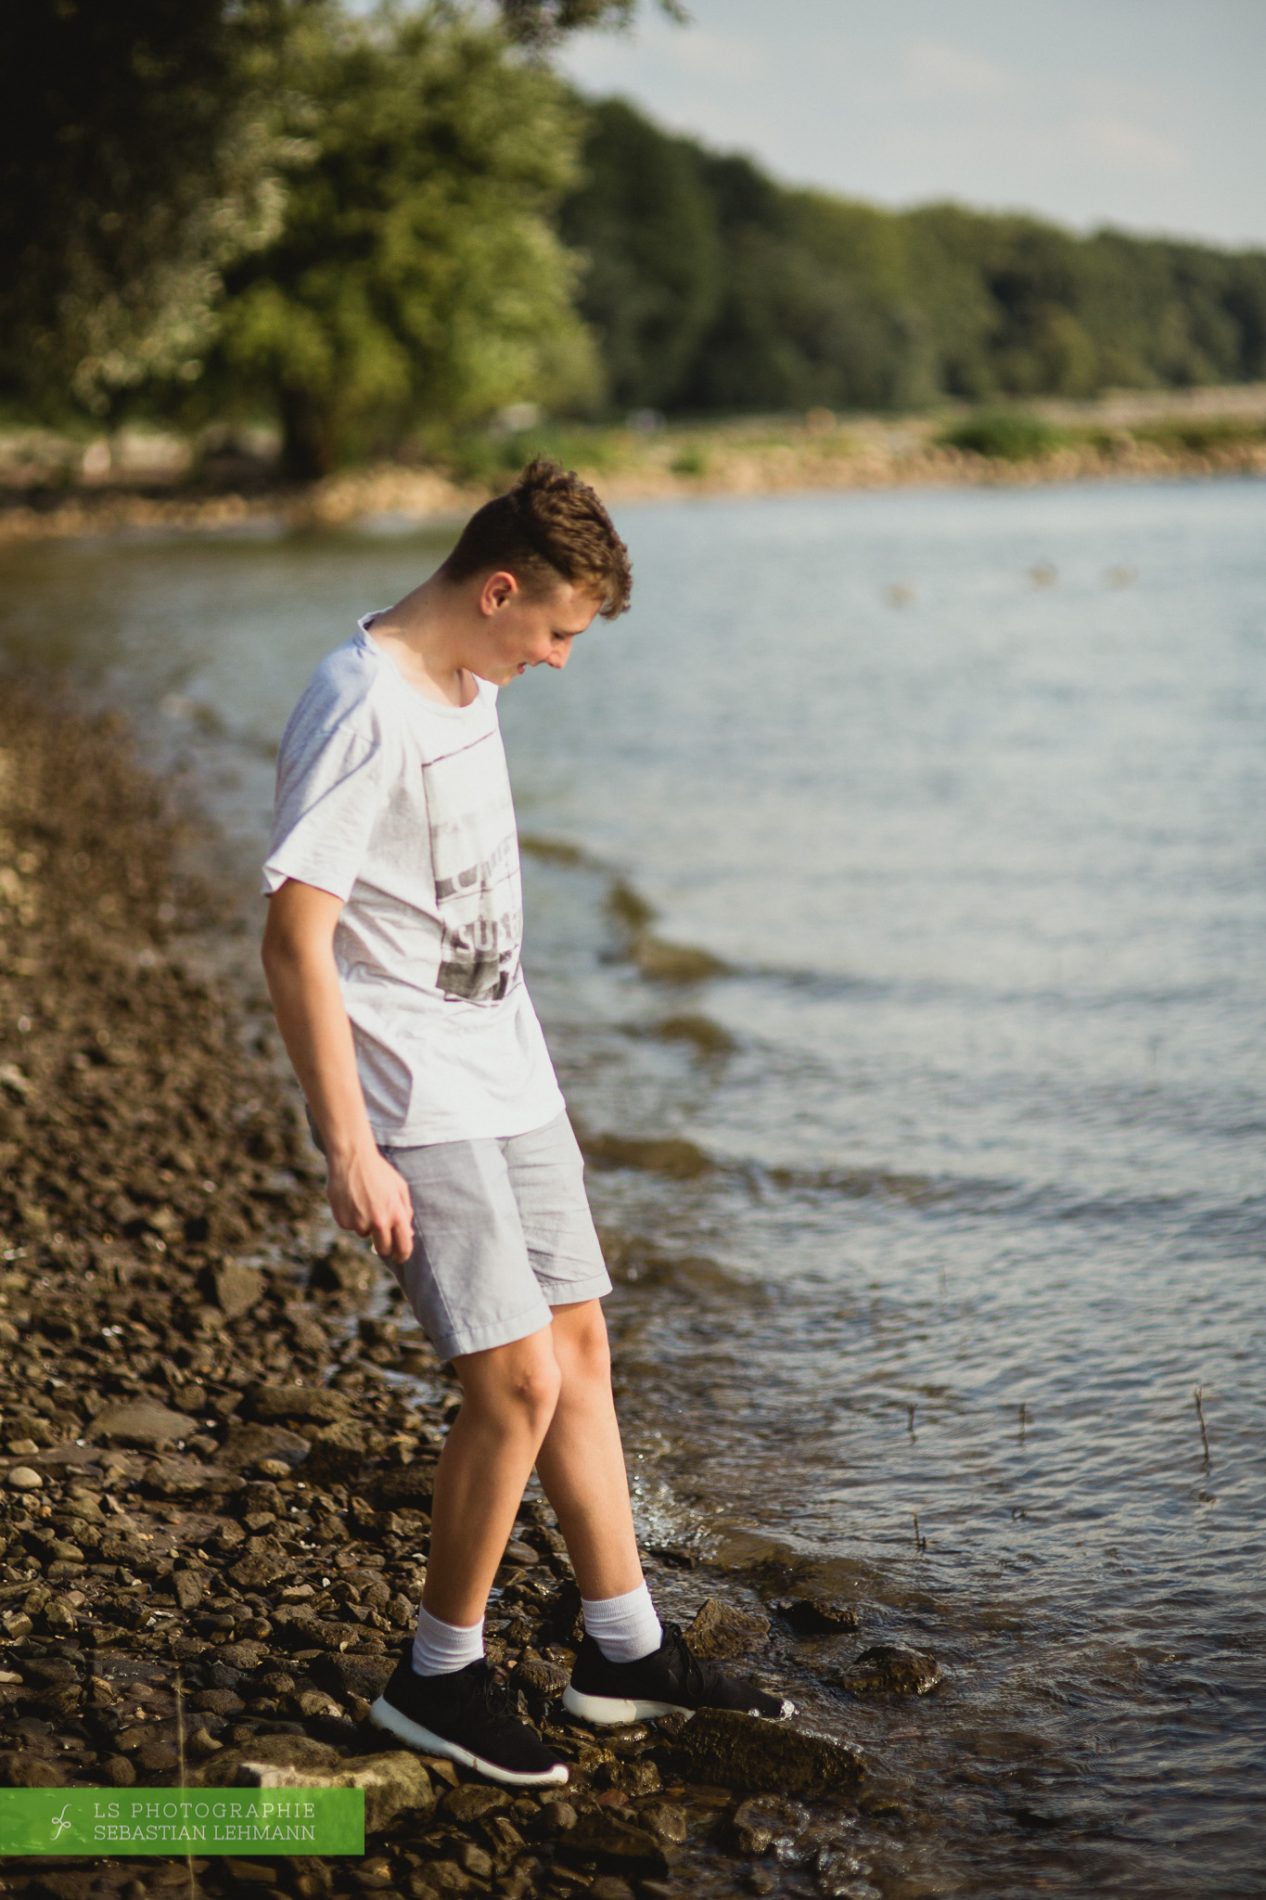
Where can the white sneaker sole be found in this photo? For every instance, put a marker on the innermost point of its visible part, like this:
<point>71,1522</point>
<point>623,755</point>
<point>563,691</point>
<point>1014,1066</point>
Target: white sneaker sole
<point>608,1710</point>
<point>385,1715</point>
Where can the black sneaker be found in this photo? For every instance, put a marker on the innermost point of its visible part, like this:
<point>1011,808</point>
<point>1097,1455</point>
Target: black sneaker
<point>670,1678</point>
<point>467,1715</point>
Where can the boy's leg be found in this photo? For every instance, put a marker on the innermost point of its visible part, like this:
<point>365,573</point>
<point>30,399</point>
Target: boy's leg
<point>629,1666</point>
<point>581,1461</point>
<point>509,1395</point>
<point>441,1698</point>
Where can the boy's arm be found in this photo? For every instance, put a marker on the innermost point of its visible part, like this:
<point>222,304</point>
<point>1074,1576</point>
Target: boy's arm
<point>366,1194</point>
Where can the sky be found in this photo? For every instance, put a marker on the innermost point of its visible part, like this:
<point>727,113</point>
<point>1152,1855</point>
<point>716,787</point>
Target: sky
<point>1143,114</point>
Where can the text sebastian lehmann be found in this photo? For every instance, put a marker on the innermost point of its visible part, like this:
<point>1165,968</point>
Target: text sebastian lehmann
<point>192,1821</point>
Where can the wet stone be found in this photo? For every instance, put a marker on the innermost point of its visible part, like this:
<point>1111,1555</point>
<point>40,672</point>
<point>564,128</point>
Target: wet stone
<point>817,1616</point>
<point>764,1819</point>
<point>473,1800</point>
<point>665,1820</point>
<point>746,1752</point>
<point>22,1768</point>
<point>339,1449</point>
<point>264,1561</point>
<point>354,1672</point>
<point>314,1704</point>
<point>719,1630</point>
<point>891,1669</point>
<point>241,1656</point>
<point>190,1587</point>
<point>408,1487</point>
<point>141,1423</point>
<point>561,1817</point>
<point>604,1838</point>
<point>271,1404</point>
<point>247,1444</point>
<point>235,1289</point>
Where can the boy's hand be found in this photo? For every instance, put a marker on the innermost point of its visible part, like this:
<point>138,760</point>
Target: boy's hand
<point>367,1196</point>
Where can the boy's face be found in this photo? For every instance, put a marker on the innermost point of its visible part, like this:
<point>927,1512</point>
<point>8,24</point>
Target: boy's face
<point>522,629</point>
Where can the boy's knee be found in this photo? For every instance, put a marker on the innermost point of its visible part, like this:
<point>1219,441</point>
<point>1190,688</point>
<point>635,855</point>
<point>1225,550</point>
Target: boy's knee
<point>516,1385</point>
<point>534,1387</point>
<point>581,1343</point>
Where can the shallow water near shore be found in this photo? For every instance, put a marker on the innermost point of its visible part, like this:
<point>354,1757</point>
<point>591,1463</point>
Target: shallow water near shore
<point>895,910</point>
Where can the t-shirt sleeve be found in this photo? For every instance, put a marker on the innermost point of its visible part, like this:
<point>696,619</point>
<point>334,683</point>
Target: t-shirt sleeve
<point>329,793</point>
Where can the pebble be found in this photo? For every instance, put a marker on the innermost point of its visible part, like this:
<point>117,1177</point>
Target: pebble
<point>24,1478</point>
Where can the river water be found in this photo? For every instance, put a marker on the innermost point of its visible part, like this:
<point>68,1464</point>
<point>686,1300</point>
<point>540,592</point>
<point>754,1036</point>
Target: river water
<point>896,887</point>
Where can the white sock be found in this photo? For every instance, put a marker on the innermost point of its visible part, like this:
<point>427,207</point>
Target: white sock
<point>439,1648</point>
<point>624,1627</point>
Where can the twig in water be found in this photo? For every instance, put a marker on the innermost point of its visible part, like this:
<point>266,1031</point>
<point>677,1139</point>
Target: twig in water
<point>1204,1436</point>
<point>910,1412</point>
<point>1024,1419</point>
<point>920,1542</point>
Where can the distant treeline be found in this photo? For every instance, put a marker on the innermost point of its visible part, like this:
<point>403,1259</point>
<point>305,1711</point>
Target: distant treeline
<point>382,229</point>
<point>711,287</point>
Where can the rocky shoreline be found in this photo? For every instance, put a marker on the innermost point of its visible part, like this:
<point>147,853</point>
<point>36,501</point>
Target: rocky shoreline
<point>215,1457</point>
<point>867,455</point>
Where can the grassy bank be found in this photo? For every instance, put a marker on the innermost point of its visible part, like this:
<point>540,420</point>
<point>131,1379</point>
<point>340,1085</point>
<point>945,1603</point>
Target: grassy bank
<point>53,485</point>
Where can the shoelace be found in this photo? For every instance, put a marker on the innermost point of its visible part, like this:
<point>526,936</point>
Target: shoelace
<point>694,1676</point>
<point>499,1696</point>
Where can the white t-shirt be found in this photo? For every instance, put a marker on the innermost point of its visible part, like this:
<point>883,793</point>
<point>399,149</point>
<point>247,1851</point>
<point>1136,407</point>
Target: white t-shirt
<point>401,806</point>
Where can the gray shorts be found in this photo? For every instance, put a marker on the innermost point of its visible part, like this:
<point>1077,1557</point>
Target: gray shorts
<point>502,1233</point>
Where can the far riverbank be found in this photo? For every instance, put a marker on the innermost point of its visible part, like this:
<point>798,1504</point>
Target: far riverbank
<point>138,481</point>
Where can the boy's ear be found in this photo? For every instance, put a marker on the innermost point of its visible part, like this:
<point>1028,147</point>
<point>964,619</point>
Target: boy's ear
<point>498,588</point>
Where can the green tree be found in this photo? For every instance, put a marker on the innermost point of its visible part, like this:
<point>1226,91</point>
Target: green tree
<point>644,220</point>
<point>137,158</point>
<point>542,23</point>
<point>418,276</point>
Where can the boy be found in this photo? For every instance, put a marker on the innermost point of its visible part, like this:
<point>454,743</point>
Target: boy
<point>392,958</point>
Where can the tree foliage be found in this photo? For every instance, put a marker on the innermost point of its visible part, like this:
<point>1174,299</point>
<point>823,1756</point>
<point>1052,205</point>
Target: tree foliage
<point>418,274</point>
<point>137,158</point>
<point>144,149</point>
<point>643,218</point>
<point>542,23</point>
<point>743,294</point>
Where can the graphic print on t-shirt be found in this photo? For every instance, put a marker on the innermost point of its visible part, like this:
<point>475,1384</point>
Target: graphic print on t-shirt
<point>474,851</point>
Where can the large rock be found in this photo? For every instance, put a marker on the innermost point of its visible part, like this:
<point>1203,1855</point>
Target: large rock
<point>719,1630</point>
<point>234,1288</point>
<point>395,1784</point>
<point>304,1629</point>
<point>180,1475</point>
<point>817,1616</point>
<point>339,1449</point>
<point>890,1669</point>
<point>407,1488</point>
<point>270,1403</point>
<point>140,1422</point>
<point>252,1444</point>
<point>749,1753</point>
<point>765,1822</point>
<point>264,1562</point>
<point>356,1672</point>
<point>610,1842</point>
